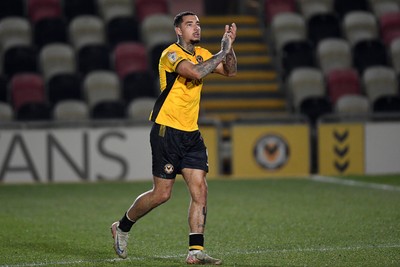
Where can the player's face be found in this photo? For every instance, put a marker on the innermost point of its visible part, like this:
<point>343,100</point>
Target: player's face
<point>191,30</point>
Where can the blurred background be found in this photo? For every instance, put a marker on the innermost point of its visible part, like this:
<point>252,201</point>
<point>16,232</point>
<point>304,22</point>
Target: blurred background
<point>317,90</point>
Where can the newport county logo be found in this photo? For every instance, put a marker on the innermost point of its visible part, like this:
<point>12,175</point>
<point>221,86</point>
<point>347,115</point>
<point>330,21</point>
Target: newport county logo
<point>199,59</point>
<point>271,152</point>
<point>168,168</point>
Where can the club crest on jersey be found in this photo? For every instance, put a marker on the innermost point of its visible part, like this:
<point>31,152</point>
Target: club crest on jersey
<point>199,59</point>
<point>172,57</point>
<point>168,168</point>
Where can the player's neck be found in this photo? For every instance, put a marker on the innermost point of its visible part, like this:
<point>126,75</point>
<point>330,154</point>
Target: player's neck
<point>187,46</point>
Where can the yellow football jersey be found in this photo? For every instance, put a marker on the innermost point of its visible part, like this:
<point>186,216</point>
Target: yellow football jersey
<point>179,102</point>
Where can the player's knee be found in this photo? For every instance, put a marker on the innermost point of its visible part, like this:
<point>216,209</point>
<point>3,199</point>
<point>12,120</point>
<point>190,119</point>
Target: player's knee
<point>163,197</point>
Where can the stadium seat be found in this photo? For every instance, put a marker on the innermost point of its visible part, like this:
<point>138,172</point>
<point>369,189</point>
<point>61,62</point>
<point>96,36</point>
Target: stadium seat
<point>139,84</point>
<point>176,6</point>
<point>303,83</point>
<point>309,8</point>
<point>71,110</point>
<point>109,9</point>
<point>34,111</point>
<point>342,82</point>
<point>130,57</point>
<point>367,53</point>
<point>157,29</point>
<point>321,26</point>
<point>6,112</point>
<point>297,54</point>
<point>352,105</point>
<point>18,59</point>
<point>139,109</point>
<point>122,29</point>
<point>93,57</point>
<point>4,95</point>
<point>379,81</point>
<point>57,58</point>
<point>41,9</point>
<point>387,103</point>
<point>360,25</point>
<point>155,54</point>
<point>12,8</point>
<point>108,109</point>
<point>287,27</point>
<point>100,86</point>
<point>274,7</point>
<point>395,55</point>
<point>314,107</point>
<point>64,86</point>
<point>381,7</point>
<point>75,8</point>
<point>14,31</point>
<point>390,27</point>
<point>145,8</point>
<point>50,30</point>
<point>86,30</point>
<point>342,7</point>
<point>26,88</point>
<point>333,53</point>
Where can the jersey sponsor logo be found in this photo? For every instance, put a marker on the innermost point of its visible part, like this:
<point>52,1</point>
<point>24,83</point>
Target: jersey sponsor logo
<point>168,168</point>
<point>271,152</point>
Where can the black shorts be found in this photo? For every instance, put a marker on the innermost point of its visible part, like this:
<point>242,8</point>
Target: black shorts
<point>172,150</point>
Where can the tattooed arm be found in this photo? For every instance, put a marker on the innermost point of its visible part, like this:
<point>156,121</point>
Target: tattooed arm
<point>224,62</point>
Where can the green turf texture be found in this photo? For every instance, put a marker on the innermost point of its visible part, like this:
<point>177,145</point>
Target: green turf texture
<point>271,222</point>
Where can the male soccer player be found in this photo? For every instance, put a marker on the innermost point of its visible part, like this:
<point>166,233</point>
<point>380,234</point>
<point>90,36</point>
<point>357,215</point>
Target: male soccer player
<point>176,143</point>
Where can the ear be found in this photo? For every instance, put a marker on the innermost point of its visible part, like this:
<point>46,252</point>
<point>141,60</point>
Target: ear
<point>178,31</point>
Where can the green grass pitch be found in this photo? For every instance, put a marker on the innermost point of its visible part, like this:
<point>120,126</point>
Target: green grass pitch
<point>267,222</point>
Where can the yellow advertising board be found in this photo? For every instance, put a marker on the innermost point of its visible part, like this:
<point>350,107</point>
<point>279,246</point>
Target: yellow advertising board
<point>341,148</point>
<point>269,150</point>
<point>210,135</point>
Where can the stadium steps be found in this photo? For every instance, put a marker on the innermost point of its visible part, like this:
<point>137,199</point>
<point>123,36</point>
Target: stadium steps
<point>255,90</point>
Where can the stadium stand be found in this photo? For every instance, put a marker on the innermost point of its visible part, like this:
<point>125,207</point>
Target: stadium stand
<point>93,57</point>
<point>41,9</point>
<point>333,53</point>
<point>287,27</point>
<point>86,30</point>
<point>274,7</point>
<point>108,109</point>
<point>50,30</point>
<point>138,84</point>
<point>381,7</point>
<point>360,25</point>
<point>20,58</point>
<point>101,86</point>
<point>11,8</point>
<point>64,86</point>
<point>308,8</point>
<point>71,110</point>
<point>56,58</point>
<point>394,51</point>
<point>6,112</point>
<point>15,31</point>
<point>145,8</point>
<point>353,105</point>
<point>26,88</point>
<point>109,9</point>
<point>130,57</point>
<point>342,82</point>
<point>122,29</point>
<point>323,25</point>
<point>367,53</point>
<point>139,109</point>
<point>389,26</point>
<point>75,8</point>
<point>379,81</point>
<point>387,103</point>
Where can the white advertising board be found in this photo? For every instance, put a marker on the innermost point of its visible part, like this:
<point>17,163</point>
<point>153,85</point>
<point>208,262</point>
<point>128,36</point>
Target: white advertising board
<point>73,155</point>
<point>382,148</point>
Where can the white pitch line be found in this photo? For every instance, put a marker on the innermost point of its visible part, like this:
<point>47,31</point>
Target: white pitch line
<point>333,180</point>
<point>239,252</point>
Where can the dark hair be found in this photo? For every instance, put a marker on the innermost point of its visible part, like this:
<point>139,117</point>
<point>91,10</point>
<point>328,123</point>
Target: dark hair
<point>179,17</point>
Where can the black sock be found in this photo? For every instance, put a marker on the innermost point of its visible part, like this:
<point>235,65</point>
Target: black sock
<point>125,224</point>
<point>196,242</point>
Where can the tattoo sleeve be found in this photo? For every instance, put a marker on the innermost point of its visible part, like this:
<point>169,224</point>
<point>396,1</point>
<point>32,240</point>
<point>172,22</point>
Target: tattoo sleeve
<point>209,65</point>
<point>230,63</point>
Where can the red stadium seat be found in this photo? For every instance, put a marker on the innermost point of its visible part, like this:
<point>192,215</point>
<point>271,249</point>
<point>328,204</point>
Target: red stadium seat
<point>27,88</point>
<point>144,8</point>
<point>390,26</point>
<point>342,82</point>
<point>273,7</point>
<point>40,9</point>
<point>130,57</point>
